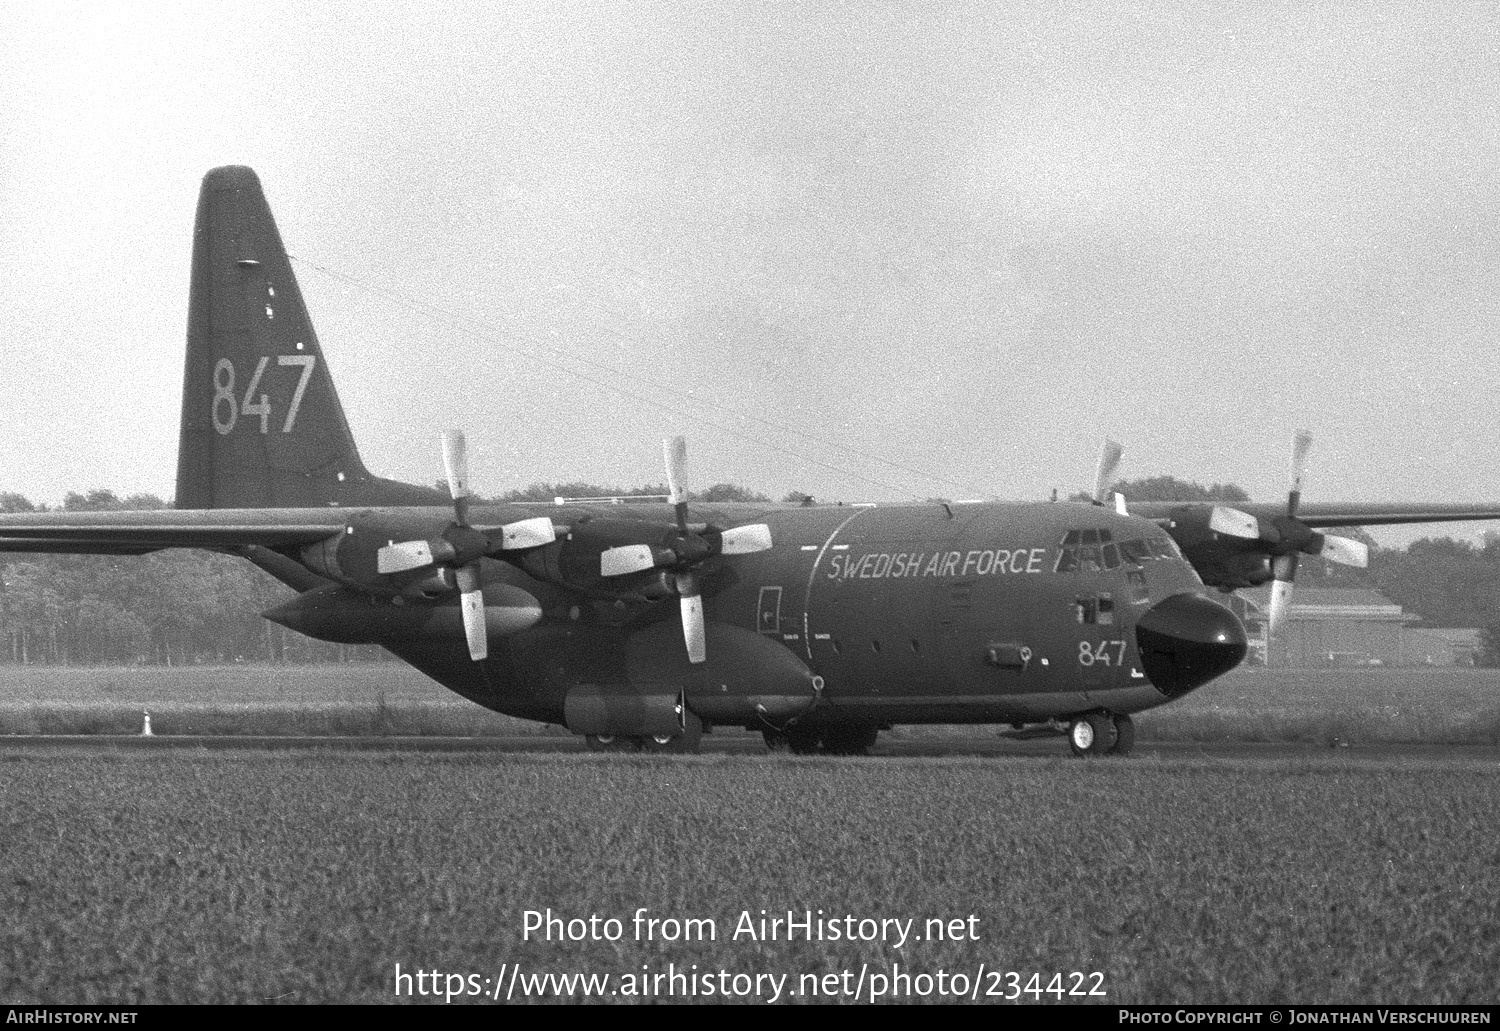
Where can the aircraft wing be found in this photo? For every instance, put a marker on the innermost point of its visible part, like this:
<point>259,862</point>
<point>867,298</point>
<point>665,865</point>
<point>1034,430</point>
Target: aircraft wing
<point>1323,514</point>
<point>1319,515</point>
<point>136,533</point>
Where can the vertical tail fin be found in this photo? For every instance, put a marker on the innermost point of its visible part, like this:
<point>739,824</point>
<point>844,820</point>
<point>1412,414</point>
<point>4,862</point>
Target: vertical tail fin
<point>262,426</point>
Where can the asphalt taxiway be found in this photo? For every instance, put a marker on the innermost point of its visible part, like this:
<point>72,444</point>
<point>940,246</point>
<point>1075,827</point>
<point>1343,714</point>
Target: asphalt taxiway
<point>744,744</point>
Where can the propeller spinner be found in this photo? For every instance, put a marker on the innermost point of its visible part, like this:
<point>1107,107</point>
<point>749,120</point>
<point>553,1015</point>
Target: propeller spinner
<point>461,547</point>
<point>685,554</point>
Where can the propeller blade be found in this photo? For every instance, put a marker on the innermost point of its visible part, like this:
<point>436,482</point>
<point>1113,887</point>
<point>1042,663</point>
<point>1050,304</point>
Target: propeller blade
<point>472,600</point>
<point>527,533</point>
<point>744,540</point>
<point>674,450</point>
<point>628,558</point>
<point>1104,474</point>
<point>1281,600</point>
<point>1120,508</point>
<point>693,629</point>
<point>1284,569</point>
<point>1301,445</point>
<point>474,629</point>
<point>1231,522</point>
<point>456,463</point>
<point>398,558</point>
<point>1344,551</point>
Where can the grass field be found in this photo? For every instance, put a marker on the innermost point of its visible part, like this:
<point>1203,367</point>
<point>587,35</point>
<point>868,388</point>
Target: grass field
<point>336,699</point>
<point>211,877</point>
<point>1356,706</point>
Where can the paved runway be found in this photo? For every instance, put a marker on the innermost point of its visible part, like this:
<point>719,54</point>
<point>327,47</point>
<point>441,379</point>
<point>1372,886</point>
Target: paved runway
<point>746,744</point>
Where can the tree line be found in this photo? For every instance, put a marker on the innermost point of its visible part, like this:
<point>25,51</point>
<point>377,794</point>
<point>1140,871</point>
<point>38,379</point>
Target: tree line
<point>180,607</point>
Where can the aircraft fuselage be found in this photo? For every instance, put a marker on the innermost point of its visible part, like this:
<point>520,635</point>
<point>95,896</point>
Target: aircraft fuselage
<point>959,613</point>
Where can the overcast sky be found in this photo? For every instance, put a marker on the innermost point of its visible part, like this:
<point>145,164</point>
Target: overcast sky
<point>871,252</point>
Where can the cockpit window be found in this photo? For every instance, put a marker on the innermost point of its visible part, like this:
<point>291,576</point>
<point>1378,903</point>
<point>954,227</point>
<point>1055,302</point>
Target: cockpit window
<point>1089,551</point>
<point>1163,547</point>
<point>1111,553</point>
<point>1097,609</point>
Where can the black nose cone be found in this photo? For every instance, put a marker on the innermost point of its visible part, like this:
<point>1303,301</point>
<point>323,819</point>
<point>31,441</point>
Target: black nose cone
<point>1187,640</point>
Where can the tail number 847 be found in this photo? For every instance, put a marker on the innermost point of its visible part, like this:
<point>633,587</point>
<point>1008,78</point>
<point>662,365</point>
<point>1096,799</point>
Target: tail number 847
<point>1105,653</point>
<point>229,405</point>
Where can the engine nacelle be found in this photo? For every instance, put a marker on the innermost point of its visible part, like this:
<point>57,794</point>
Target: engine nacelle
<point>323,558</point>
<point>1221,560</point>
<point>351,557</point>
<point>574,560</point>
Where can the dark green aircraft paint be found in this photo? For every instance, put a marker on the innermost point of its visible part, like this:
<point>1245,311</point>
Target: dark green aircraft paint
<point>855,619</point>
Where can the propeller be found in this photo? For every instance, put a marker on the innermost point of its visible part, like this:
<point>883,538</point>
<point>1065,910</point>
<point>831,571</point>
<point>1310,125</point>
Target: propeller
<point>683,554</point>
<point>461,547</point>
<point>1291,538</point>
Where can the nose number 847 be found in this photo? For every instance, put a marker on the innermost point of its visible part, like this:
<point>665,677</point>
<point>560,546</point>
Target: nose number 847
<point>1107,653</point>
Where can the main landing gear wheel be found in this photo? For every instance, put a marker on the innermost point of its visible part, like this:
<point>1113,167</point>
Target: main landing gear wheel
<point>677,744</point>
<point>1124,736</point>
<point>612,743</point>
<point>1093,734</point>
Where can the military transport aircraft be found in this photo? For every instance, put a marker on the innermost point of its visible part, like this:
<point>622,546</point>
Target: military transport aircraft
<point>642,625</point>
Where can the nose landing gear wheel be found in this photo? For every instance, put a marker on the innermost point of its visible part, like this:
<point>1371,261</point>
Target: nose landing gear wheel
<point>1093,734</point>
<point>1124,736</point>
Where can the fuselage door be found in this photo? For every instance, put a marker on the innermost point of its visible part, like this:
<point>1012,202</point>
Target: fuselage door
<point>770,612</point>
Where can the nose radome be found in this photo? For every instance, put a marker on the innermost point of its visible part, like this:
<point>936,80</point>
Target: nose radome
<point>1187,640</point>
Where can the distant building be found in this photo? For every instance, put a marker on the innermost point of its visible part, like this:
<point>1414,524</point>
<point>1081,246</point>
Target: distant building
<point>1339,626</point>
<point>1439,647</point>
